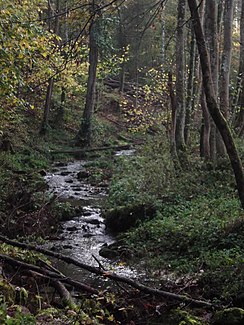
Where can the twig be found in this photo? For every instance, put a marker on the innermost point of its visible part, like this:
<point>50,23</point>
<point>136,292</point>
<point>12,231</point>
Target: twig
<point>98,262</point>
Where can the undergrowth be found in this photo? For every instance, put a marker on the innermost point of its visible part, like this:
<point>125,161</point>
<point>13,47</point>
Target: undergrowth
<point>203,237</point>
<point>199,227</point>
<point>150,177</point>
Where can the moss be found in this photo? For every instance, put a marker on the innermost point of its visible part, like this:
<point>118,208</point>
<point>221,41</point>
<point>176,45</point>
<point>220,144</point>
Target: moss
<point>181,317</point>
<point>7,291</point>
<point>230,316</point>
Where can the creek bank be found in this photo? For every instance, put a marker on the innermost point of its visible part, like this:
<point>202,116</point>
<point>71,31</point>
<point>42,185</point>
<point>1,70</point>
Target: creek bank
<point>123,218</point>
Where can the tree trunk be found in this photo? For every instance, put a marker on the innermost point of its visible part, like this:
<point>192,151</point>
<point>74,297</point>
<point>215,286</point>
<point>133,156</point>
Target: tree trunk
<point>220,15</point>
<point>45,125</point>
<point>224,80</point>
<point>83,137</point>
<point>173,106</point>
<point>239,102</point>
<point>206,127</point>
<point>211,34</point>
<point>122,47</point>
<point>163,37</point>
<point>180,83</point>
<point>66,30</point>
<point>190,83</point>
<point>46,113</point>
<point>213,108</point>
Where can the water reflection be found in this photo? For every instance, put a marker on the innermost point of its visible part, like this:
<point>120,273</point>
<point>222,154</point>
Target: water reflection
<point>83,236</point>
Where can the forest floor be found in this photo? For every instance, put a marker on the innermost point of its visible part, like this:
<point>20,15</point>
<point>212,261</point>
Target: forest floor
<point>192,246</point>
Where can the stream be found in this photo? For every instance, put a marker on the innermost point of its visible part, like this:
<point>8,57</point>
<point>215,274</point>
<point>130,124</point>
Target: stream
<point>83,236</point>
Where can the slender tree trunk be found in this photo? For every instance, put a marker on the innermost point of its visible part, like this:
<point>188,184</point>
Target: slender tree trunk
<point>162,38</point>
<point>206,118</point>
<point>239,101</point>
<point>122,47</point>
<point>220,15</point>
<point>211,34</point>
<point>46,112</point>
<point>66,30</point>
<point>57,27</point>
<point>180,83</point>
<point>173,107</point>
<point>224,80</point>
<point>45,124</point>
<point>190,83</point>
<point>213,108</point>
<point>49,14</point>
<point>83,137</point>
<point>206,128</point>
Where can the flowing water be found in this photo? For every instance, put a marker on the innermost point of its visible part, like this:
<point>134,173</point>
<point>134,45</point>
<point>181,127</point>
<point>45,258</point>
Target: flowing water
<point>82,237</point>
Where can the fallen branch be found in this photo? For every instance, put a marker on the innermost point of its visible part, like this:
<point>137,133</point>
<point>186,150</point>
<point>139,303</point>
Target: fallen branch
<point>83,151</point>
<point>110,275</point>
<point>51,275</point>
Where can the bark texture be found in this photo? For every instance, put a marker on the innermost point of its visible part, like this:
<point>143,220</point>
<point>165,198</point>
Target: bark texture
<point>211,34</point>
<point>239,103</point>
<point>190,83</point>
<point>226,58</point>
<point>180,83</point>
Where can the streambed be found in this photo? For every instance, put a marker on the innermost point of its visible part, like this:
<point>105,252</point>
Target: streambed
<point>83,236</point>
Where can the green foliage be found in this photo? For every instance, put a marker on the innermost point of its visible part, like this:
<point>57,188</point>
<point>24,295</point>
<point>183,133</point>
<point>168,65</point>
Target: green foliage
<point>181,317</point>
<point>7,292</point>
<point>21,254</point>
<point>150,177</point>
<point>142,178</point>
<point>103,133</point>
<point>19,318</point>
<point>24,54</point>
<point>233,316</point>
<point>203,236</point>
<point>145,110</point>
<point>199,224</point>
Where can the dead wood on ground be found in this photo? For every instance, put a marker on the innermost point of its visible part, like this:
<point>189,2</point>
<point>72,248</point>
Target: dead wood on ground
<point>99,272</point>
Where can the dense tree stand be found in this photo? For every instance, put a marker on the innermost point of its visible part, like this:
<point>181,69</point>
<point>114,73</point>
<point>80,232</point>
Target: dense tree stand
<point>212,105</point>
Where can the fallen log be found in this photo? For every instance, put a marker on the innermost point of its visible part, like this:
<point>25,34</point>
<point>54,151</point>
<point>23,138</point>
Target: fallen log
<point>111,275</point>
<point>49,274</point>
<point>84,151</point>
